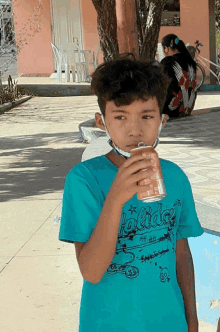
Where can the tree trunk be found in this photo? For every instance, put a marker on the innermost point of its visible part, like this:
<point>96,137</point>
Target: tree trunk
<point>151,29</point>
<point>127,33</point>
<point>107,27</point>
<point>136,20</point>
<point>141,13</point>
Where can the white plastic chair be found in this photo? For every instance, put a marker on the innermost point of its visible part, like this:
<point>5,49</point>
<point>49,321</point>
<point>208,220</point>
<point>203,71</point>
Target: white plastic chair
<point>75,62</point>
<point>61,60</point>
<point>79,61</point>
<point>94,57</point>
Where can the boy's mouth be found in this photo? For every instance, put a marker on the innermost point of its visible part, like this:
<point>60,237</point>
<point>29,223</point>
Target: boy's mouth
<point>133,145</point>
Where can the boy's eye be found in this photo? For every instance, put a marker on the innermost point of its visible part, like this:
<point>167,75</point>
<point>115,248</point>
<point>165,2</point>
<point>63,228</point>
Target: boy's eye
<point>119,117</point>
<point>148,117</point>
<point>144,117</point>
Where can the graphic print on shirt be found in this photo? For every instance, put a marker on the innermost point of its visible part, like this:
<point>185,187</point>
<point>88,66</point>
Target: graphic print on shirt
<point>185,98</point>
<point>164,274</point>
<point>139,236</point>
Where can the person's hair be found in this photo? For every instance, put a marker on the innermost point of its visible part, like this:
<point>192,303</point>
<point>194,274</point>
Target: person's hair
<point>126,79</point>
<point>175,43</point>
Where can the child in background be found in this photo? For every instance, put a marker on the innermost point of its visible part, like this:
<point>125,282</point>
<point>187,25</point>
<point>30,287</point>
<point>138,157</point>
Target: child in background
<point>134,256</point>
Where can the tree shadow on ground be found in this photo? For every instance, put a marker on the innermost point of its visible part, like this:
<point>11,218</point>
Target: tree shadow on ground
<point>32,166</point>
<point>38,164</point>
<point>196,131</point>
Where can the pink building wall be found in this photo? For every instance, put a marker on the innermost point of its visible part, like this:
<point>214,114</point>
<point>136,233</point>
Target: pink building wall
<point>89,26</point>
<point>194,20</point>
<point>36,57</point>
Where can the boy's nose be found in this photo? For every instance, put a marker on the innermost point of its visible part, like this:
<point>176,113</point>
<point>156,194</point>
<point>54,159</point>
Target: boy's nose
<point>135,129</point>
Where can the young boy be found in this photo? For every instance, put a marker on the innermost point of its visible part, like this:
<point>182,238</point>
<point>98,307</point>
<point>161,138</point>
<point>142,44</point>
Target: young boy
<point>133,256</point>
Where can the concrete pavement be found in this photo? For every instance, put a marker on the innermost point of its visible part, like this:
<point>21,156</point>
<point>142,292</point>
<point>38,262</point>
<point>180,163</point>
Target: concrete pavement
<point>40,280</point>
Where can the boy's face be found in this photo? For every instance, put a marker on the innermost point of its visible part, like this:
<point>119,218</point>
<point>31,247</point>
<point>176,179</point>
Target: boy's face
<point>131,124</point>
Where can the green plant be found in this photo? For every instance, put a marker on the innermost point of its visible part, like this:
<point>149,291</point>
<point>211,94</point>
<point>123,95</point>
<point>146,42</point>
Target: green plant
<point>9,93</point>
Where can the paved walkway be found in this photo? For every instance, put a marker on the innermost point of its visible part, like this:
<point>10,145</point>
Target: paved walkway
<point>40,280</point>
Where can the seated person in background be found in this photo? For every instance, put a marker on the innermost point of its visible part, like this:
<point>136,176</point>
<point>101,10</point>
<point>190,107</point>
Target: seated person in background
<point>181,69</point>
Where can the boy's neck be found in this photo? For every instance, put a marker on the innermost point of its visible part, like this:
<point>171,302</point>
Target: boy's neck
<point>115,158</point>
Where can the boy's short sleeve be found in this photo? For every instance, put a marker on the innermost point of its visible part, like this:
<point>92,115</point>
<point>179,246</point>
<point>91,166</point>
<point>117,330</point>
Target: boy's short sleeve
<point>189,225</point>
<point>81,206</point>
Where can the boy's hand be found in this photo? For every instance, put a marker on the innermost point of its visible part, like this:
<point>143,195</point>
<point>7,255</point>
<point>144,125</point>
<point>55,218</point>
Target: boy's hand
<point>125,185</point>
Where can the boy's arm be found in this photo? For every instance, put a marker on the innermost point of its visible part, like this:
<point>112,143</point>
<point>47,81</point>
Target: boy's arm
<point>97,253</point>
<point>186,281</point>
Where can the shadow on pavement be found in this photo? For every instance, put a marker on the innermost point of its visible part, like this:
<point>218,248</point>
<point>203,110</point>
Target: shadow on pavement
<point>34,166</point>
<point>38,164</point>
<point>202,131</point>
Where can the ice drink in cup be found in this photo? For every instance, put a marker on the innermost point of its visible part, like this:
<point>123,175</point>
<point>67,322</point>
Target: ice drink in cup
<point>158,191</point>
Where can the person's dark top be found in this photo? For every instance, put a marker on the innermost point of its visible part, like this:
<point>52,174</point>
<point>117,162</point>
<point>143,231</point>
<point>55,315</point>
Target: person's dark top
<point>181,93</point>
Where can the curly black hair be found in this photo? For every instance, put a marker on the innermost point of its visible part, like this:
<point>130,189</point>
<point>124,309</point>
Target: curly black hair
<point>126,79</point>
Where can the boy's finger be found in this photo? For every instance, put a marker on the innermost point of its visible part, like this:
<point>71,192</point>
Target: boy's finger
<point>133,159</point>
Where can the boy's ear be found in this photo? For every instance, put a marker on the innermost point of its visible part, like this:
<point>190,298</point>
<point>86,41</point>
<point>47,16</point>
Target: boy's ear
<point>98,121</point>
<point>165,119</point>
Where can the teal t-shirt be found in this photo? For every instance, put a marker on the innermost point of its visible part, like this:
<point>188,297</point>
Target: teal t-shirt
<point>139,291</point>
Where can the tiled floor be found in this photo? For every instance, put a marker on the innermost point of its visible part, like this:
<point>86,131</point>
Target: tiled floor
<point>40,143</point>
